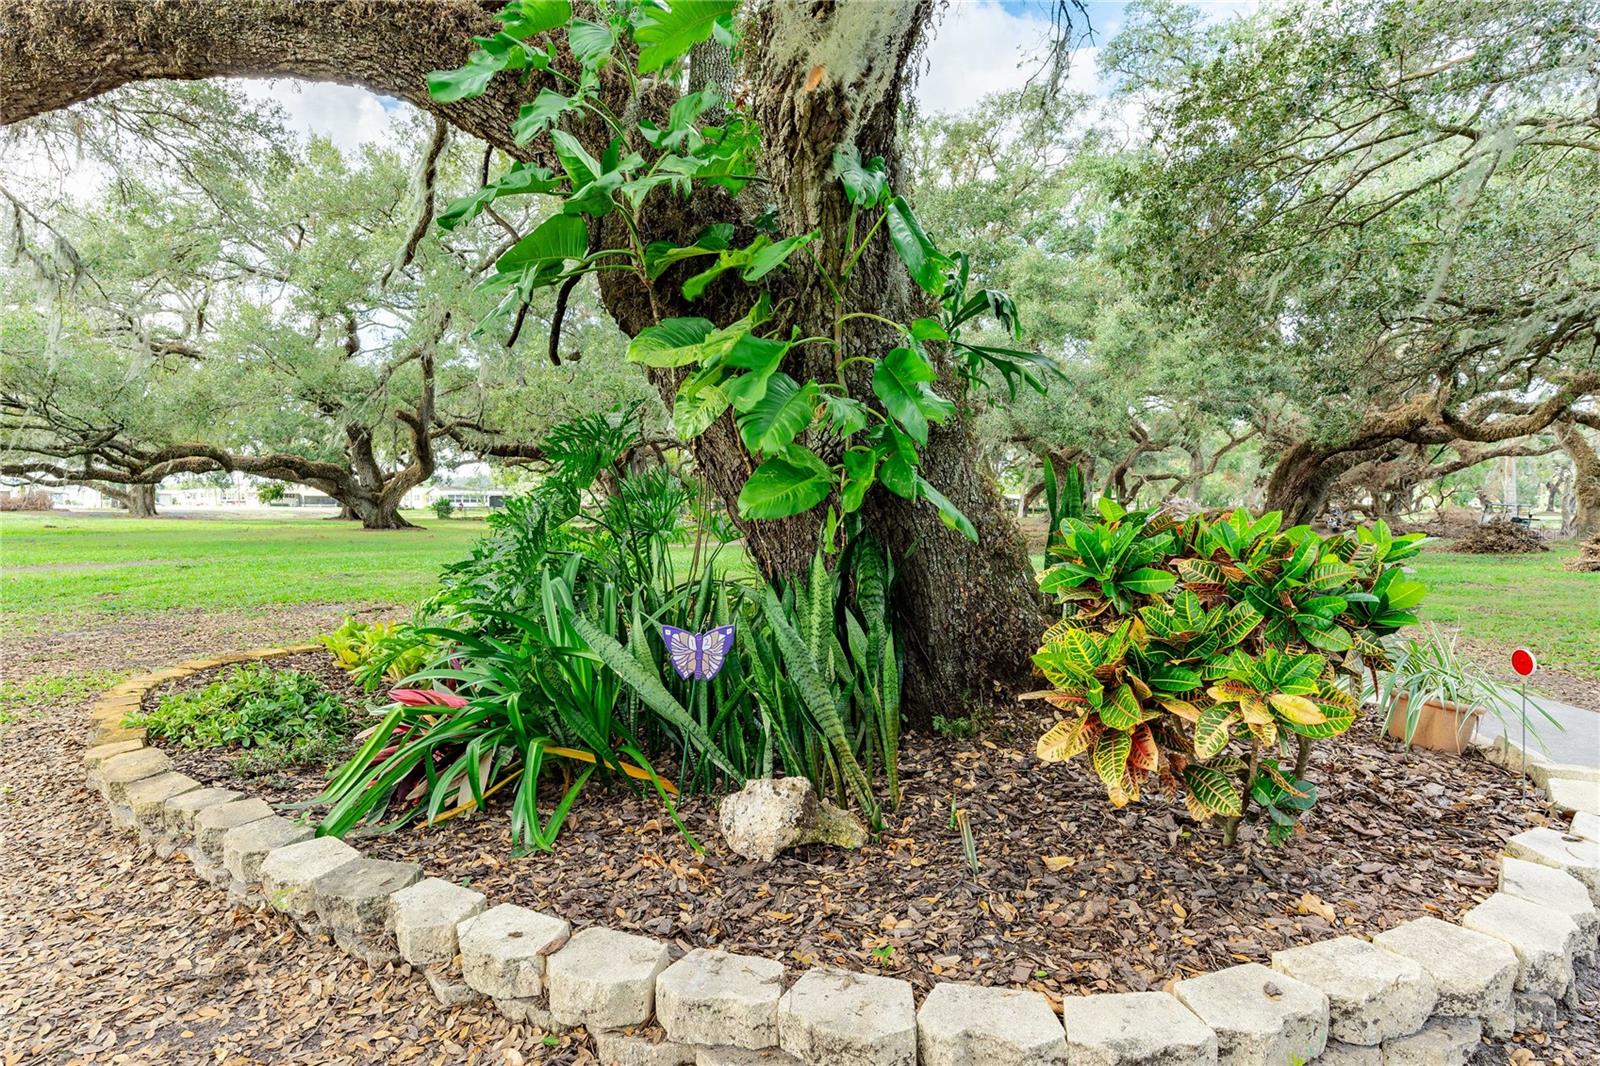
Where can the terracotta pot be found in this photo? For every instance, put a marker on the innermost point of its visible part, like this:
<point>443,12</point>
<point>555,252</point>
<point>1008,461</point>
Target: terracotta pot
<point>1442,725</point>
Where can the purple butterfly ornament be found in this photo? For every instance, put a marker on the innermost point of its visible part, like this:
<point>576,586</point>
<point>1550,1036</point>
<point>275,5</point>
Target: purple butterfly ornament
<point>698,655</point>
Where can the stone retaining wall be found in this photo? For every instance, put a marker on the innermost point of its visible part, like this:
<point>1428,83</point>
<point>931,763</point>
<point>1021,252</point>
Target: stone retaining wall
<point>1423,993</point>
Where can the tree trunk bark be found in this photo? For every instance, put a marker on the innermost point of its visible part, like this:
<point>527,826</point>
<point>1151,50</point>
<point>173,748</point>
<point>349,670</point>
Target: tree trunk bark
<point>374,512</point>
<point>141,500</point>
<point>1586,483</point>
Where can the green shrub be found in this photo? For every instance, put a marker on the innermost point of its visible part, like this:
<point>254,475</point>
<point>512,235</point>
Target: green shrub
<point>443,508</point>
<point>254,707</point>
<point>1196,658</point>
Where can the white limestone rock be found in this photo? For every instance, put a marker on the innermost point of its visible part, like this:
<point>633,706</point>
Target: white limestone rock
<point>211,825</point>
<point>1545,940</point>
<point>527,1010</point>
<point>424,917</point>
<point>1585,825</point>
<point>245,847</point>
<point>604,979</point>
<point>970,1025</point>
<point>1556,889</point>
<point>849,1019</point>
<point>738,1056</point>
<point>1474,973</point>
<point>1135,1029</point>
<point>1338,1053</point>
<point>1373,995</point>
<point>1575,854</point>
<point>713,997</point>
<point>504,950</point>
<point>617,1048</point>
<point>1568,795</point>
<point>147,798</point>
<point>1442,1042</point>
<point>1261,1017</point>
<point>287,874</point>
<point>770,815</point>
<point>114,775</point>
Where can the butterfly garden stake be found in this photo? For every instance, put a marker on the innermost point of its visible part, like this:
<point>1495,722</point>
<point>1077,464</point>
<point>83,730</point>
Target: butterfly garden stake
<point>698,655</point>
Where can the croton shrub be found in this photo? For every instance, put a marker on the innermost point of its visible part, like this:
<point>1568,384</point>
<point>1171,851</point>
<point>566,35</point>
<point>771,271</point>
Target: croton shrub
<point>1205,657</point>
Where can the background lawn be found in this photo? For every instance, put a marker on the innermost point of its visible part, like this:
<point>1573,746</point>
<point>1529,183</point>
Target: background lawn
<point>55,564</point>
<point>1527,600</point>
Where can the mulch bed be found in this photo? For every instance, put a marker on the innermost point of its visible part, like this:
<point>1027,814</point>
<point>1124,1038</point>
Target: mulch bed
<point>215,766</point>
<point>1072,897</point>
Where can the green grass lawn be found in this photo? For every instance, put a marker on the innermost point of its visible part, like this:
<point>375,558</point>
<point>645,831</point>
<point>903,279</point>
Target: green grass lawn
<point>1527,600</point>
<point>60,564</point>
<point>56,563</point>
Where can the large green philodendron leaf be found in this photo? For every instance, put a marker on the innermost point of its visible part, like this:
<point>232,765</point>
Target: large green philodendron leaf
<point>901,380</point>
<point>665,34</point>
<point>785,485</point>
<point>545,251</point>
<point>925,262</point>
<point>865,184</point>
<point>781,415</point>
<point>674,342</point>
<point>521,180</point>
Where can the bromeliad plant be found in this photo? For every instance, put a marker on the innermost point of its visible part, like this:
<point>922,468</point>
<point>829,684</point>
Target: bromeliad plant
<point>786,424</point>
<point>1198,656</point>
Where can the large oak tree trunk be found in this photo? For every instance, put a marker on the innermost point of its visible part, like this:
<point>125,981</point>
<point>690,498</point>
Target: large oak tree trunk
<point>969,611</point>
<point>1586,486</point>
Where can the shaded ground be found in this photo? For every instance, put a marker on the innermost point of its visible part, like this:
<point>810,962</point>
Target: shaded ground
<point>106,950</point>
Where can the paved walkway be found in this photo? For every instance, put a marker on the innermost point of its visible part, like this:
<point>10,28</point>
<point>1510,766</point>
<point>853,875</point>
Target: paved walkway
<point>1577,740</point>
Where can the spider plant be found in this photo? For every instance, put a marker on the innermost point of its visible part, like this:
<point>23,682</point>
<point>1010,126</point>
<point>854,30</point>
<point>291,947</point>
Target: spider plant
<point>1427,669</point>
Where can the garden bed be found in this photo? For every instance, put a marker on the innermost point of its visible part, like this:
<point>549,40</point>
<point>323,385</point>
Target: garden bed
<point>215,766</point>
<point>1072,897</point>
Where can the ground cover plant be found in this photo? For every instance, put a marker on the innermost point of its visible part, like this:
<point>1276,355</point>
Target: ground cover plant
<point>273,718</point>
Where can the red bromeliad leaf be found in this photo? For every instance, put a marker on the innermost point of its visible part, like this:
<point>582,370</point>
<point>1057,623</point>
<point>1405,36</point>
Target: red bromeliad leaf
<point>426,697</point>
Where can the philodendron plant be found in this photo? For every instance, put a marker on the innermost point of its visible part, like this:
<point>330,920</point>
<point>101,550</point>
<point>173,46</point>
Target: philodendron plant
<point>1205,658</point>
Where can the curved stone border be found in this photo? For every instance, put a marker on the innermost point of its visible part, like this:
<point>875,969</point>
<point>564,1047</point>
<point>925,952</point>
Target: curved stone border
<point>1421,993</point>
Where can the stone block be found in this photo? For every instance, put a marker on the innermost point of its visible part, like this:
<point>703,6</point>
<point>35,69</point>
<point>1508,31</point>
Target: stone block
<point>527,1010</point>
<point>118,772</point>
<point>212,823</point>
<point>1541,772</point>
<point>1567,795</point>
<point>970,1025</point>
<point>712,997</point>
<point>1373,995</point>
<point>603,979</point>
<point>1536,1012</point>
<point>1473,973</point>
<point>1557,890</point>
<point>95,757</point>
<point>1338,1053</point>
<point>1585,825</point>
<point>353,899</point>
<point>1576,855</point>
<point>1261,1017</point>
<point>287,874</point>
<point>448,988</point>
<point>504,949</point>
<point>738,1056</point>
<point>1545,940</point>
<point>1135,1029</point>
<point>1442,1042</point>
<point>103,733</point>
<point>424,918</point>
<point>178,812</point>
<point>146,797</point>
<point>849,1019</point>
<point>245,846</point>
<point>635,1049</point>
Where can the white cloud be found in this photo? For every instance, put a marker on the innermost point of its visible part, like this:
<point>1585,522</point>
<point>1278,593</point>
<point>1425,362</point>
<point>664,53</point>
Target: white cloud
<point>349,116</point>
<point>979,48</point>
